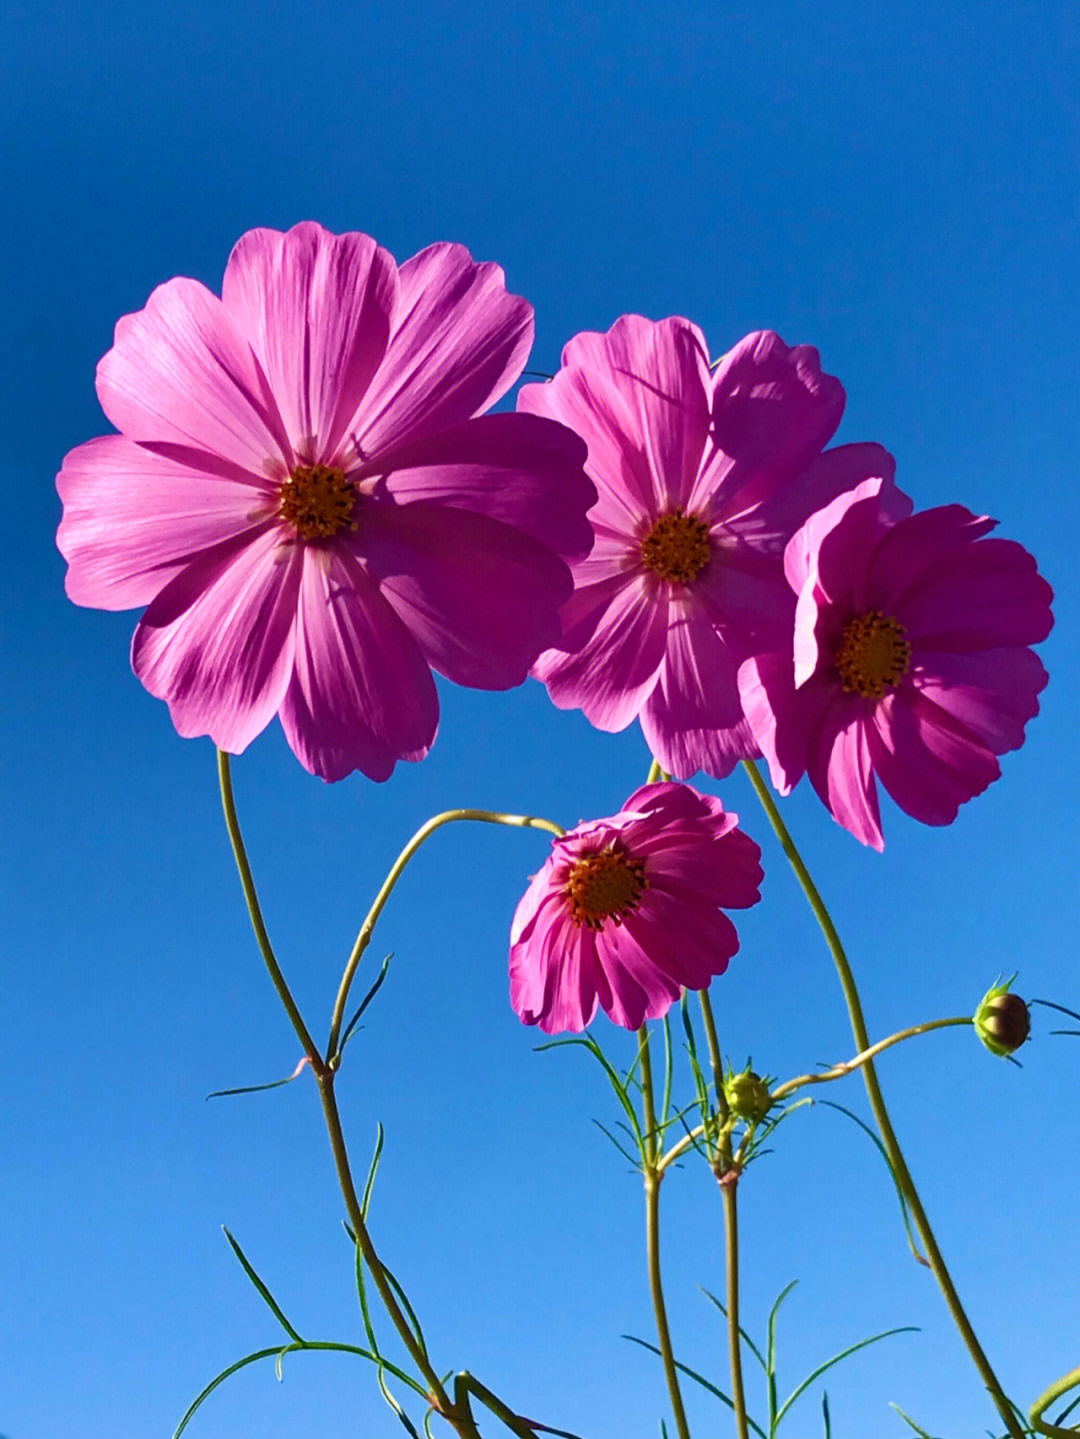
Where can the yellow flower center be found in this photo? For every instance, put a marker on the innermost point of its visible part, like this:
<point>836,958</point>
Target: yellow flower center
<point>604,886</point>
<point>317,500</point>
<point>872,654</point>
<point>677,547</point>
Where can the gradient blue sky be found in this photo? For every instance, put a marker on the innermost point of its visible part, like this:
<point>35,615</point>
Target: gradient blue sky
<point>896,185</point>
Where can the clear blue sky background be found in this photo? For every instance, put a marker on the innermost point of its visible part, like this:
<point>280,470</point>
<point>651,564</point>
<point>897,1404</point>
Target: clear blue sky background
<point>896,185</point>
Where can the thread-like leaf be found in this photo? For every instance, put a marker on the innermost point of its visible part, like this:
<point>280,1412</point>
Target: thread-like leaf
<point>825,1415</point>
<point>373,1169</point>
<point>258,1088</point>
<point>831,1104</point>
<point>851,1349</point>
<point>911,1422</point>
<point>754,1350</point>
<point>372,992</point>
<point>698,1379</point>
<point>271,1302</point>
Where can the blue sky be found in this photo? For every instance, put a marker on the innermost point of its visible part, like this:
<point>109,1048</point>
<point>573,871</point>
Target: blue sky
<point>895,185</point>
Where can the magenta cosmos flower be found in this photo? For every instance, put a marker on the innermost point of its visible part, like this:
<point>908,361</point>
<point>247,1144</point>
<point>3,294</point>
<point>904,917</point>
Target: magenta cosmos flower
<point>305,500</point>
<point>624,913</point>
<point>703,477</point>
<point>911,659</point>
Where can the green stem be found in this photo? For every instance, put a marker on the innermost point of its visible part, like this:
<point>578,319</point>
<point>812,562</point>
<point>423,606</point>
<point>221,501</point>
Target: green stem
<point>232,824</point>
<point>728,1188</point>
<point>653,1176</point>
<point>1059,1388</point>
<point>356,1219</point>
<point>877,1104</point>
<point>484,816</point>
<point>715,1059</point>
<point>839,1070</point>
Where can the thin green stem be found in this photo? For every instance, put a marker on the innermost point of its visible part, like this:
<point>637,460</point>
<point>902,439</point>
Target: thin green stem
<point>367,1249</point>
<point>729,1188</point>
<point>826,1076</point>
<point>877,1104</point>
<point>519,821</point>
<point>1056,1391</point>
<point>653,1177</point>
<point>839,1070</point>
<point>715,1058</point>
<point>232,824</point>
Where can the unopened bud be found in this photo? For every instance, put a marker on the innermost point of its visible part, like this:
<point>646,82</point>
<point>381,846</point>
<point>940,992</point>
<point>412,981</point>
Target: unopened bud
<point>1002,1020</point>
<point>748,1096</point>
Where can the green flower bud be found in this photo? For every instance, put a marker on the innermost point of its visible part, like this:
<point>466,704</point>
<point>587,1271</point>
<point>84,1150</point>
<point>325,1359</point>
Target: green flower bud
<point>1002,1020</point>
<point>747,1095</point>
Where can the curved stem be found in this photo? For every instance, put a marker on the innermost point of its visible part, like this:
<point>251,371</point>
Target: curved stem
<point>1056,1390</point>
<point>877,1104</point>
<point>839,1070</point>
<point>232,824</point>
<point>484,816</point>
<point>653,1176</point>
<point>728,1188</point>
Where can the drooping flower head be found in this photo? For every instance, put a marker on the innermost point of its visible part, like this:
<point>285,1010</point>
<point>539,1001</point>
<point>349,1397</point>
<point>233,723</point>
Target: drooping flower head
<point>625,913</point>
<point>702,479</point>
<point>911,659</point>
<point>306,498</point>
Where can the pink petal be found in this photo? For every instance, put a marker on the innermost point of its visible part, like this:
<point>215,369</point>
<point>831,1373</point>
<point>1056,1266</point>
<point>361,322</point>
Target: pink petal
<point>800,556</point>
<point>557,986</point>
<point>612,647</point>
<point>520,469</point>
<point>134,519</point>
<point>985,596</point>
<point>772,411</point>
<point>991,692</point>
<point>781,513</point>
<point>638,398</point>
<point>459,342</point>
<point>928,762</point>
<point>693,718</point>
<point>639,990</point>
<point>180,373</point>
<point>316,309</point>
<point>689,954</point>
<point>217,642</point>
<point>480,598</point>
<point>842,772</point>
<point>361,695</point>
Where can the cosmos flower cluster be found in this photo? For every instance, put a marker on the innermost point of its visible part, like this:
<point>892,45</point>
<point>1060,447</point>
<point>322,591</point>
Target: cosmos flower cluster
<point>309,498</point>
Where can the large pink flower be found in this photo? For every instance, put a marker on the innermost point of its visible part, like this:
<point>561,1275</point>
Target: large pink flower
<point>624,914</point>
<point>911,659</point>
<point>305,500</point>
<point>703,477</point>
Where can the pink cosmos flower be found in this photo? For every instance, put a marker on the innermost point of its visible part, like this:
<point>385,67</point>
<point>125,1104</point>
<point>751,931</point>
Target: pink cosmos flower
<point>305,500</point>
<point>702,477</point>
<point>625,913</point>
<point>911,659</point>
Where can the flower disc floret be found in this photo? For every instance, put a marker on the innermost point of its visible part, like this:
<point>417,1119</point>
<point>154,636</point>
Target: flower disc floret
<point>311,504</point>
<point>628,911</point>
<point>603,888</point>
<point>318,501</point>
<point>872,655</point>
<point>677,547</point>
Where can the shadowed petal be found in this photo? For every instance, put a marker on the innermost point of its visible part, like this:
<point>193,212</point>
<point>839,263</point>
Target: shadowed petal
<point>459,341</point>
<point>993,693</point>
<point>615,634</point>
<point>361,695</point>
<point>133,520</point>
<point>316,309</point>
<point>520,469</point>
<point>693,718</point>
<point>772,411</point>
<point>480,598</point>
<point>985,596</point>
<point>841,771</point>
<point>688,954</point>
<point>181,373</point>
<point>929,762</point>
<point>638,397</point>
<point>217,642</point>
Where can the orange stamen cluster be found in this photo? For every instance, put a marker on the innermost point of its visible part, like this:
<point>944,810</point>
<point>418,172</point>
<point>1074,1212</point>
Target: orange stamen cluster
<point>677,547</point>
<point>318,501</point>
<point>604,886</point>
<point>872,655</point>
